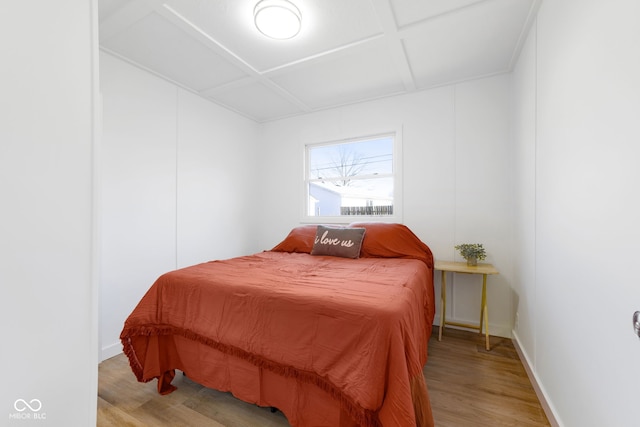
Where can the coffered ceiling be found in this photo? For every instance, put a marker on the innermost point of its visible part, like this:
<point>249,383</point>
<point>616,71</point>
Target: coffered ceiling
<point>347,51</point>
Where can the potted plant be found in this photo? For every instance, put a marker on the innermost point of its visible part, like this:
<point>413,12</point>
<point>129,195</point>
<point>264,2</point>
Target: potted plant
<point>472,252</point>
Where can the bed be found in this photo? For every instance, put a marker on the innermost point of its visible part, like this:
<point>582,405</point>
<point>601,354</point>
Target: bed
<point>330,328</point>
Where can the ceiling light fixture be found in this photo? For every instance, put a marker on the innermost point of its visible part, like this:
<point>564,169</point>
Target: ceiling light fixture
<point>277,19</point>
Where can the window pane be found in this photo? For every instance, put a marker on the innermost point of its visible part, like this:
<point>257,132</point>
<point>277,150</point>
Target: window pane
<point>363,197</point>
<point>351,178</point>
<point>342,162</point>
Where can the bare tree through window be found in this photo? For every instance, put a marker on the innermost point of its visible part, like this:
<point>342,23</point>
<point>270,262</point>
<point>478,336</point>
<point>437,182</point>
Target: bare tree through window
<point>345,164</point>
<point>351,177</point>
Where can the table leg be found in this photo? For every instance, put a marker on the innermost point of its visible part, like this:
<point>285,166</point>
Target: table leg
<point>486,328</point>
<point>483,301</point>
<point>484,312</point>
<point>443,303</point>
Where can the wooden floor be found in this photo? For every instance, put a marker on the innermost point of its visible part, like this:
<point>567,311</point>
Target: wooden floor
<point>468,386</point>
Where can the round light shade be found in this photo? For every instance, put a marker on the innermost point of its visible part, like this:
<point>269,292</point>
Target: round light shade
<point>278,19</point>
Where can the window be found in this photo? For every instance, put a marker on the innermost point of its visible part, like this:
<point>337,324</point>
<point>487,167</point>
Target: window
<point>352,178</point>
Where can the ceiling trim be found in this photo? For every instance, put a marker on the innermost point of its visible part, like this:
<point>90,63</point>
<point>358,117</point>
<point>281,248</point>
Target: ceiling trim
<point>255,75</point>
<point>396,45</point>
<point>522,38</point>
<point>310,60</point>
<point>193,30</point>
<point>390,30</point>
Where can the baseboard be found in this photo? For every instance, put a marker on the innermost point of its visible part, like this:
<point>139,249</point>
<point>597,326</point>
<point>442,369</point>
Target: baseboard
<point>547,407</point>
<point>110,351</point>
<point>494,330</point>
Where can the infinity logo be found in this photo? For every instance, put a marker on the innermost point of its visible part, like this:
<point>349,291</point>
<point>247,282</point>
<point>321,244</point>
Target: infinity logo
<point>21,405</point>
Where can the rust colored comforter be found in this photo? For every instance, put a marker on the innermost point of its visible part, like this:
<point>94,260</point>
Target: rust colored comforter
<point>355,329</point>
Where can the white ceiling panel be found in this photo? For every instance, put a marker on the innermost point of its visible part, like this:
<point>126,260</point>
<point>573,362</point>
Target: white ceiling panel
<point>347,51</point>
<point>364,72</point>
<point>255,100</point>
<point>155,43</point>
<point>471,43</point>
<point>107,7</point>
<point>411,11</point>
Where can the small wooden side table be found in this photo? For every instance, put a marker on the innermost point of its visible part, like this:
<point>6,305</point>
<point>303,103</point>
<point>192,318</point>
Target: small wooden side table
<point>462,267</point>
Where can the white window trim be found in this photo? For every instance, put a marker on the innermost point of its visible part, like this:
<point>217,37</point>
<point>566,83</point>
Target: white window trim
<point>347,219</point>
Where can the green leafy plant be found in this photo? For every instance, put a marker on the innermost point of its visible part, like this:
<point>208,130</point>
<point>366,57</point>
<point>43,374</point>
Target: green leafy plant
<point>472,250</point>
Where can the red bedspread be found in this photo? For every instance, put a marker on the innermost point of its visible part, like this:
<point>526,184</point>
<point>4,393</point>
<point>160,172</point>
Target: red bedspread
<point>355,328</point>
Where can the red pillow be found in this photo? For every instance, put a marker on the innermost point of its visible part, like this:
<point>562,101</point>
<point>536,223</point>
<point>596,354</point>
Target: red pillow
<point>385,240</point>
<point>300,239</point>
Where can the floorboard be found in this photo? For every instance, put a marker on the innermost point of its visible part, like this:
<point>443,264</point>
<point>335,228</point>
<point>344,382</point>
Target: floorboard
<point>468,386</point>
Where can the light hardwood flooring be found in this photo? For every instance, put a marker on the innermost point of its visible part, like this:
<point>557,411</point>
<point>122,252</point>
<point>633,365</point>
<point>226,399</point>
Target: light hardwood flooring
<point>468,386</point>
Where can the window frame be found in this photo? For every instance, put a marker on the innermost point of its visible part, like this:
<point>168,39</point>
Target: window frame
<point>396,175</point>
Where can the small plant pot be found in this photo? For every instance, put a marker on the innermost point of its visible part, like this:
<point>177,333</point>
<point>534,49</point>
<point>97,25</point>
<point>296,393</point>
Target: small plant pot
<point>472,261</point>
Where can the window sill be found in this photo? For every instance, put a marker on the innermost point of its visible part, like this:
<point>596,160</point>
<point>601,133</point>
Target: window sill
<point>348,219</point>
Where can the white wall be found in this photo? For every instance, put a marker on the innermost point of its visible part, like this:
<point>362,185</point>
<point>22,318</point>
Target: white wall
<point>47,276</point>
<point>457,177</point>
<point>177,179</point>
<point>577,104</point>
<point>217,182</point>
<point>524,179</point>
